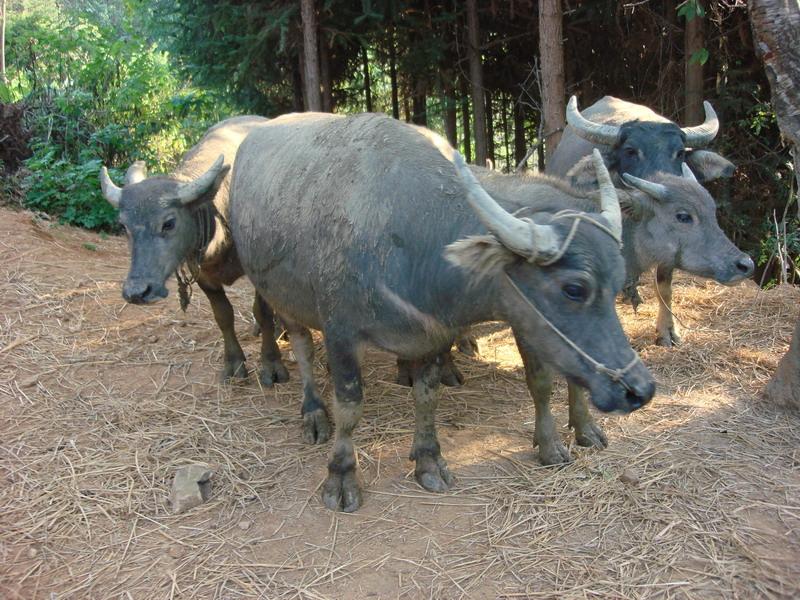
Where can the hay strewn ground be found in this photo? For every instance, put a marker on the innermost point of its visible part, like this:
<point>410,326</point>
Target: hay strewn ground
<point>102,401</point>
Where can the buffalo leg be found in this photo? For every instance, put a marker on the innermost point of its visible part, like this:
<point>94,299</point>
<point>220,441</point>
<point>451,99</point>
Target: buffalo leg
<point>233,356</point>
<point>316,425</point>
<point>552,450</point>
<point>449,373</point>
<point>272,368</point>
<point>431,469</point>
<point>667,333</point>
<point>342,490</point>
<point>587,431</point>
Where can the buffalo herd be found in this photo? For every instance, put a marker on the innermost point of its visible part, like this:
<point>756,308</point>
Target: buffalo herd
<point>375,232</point>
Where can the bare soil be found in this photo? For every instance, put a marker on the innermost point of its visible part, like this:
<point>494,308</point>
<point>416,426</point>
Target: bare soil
<point>101,402</point>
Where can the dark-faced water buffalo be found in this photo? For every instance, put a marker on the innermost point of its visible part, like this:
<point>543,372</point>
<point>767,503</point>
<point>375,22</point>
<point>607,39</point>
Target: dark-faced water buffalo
<point>182,219</point>
<point>637,141</point>
<point>342,223</point>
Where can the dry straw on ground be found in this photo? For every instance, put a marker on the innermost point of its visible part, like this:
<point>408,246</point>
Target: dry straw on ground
<point>101,402</point>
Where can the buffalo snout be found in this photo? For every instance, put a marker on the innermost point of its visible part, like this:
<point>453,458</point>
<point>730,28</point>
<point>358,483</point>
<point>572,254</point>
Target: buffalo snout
<point>142,292</point>
<point>745,266</point>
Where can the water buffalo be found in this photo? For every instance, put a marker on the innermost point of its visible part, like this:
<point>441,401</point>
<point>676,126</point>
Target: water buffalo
<point>342,224</point>
<point>182,219</point>
<point>637,141</point>
<point>652,235</point>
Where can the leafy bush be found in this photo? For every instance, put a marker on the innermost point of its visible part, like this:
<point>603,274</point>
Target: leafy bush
<point>98,95</point>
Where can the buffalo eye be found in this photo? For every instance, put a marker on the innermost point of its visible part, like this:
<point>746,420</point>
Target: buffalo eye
<point>168,225</point>
<point>631,152</point>
<point>680,155</point>
<point>575,292</point>
<point>684,217</point>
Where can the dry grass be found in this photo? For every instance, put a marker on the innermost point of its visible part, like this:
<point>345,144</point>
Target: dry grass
<point>102,401</point>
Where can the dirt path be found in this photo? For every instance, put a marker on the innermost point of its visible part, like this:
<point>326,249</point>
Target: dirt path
<point>101,401</point>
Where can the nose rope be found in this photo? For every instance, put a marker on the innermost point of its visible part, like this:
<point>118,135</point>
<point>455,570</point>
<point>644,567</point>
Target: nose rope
<point>616,375</point>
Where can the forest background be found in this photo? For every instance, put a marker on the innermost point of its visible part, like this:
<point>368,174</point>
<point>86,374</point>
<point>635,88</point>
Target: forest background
<point>86,83</point>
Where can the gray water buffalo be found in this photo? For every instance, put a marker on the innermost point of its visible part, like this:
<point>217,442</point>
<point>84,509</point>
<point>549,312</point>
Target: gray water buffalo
<point>343,224</point>
<point>181,220</point>
<point>651,234</point>
<point>637,141</point>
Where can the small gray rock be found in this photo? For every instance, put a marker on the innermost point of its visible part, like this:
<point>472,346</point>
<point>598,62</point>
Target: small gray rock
<point>629,477</point>
<point>191,487</point>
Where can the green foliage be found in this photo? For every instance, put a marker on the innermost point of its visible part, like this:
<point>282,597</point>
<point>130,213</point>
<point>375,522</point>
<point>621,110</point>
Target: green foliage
<point>700,57</point>
<point>101,94</point>
<point>691,9</point>
<point>71,191</point>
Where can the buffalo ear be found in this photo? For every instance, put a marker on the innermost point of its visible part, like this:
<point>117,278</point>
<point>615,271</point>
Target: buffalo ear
<point>480,255</point>
<point>708,166</point>
<point>634,204</point>
<point>583,174</point>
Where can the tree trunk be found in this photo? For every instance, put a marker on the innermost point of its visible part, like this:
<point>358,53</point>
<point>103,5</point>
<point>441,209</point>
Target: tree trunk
<point>449,109</point>
<point>551,52</point>
<point>367,86</point>
<point>297,84</point>
<point>311,54</point>
<point>776,28</point>
<point>693,113</point>
<point>3,41</point>
<point>506,148</point>
<point>393,75</point>
<point>490,154</point>
<point>465,121</point>
<point>325,74</point>
<point>520,147</point>
<point>419,101</point>
<point>476,75</point>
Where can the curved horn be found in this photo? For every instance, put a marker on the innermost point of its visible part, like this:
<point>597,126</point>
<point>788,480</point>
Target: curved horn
<point>192,190</point>
<point>589,130</point>
<point>609,202</point>
<point>111,192</point>
<point>136,172</point>
<point>687,173</point>
<point>701,135</point>
<point>521,236</point>
<point>656,190</point>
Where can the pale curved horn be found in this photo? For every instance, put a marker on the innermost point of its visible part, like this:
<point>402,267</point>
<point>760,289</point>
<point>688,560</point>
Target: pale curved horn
<point>589,130</point>
<point>701,135</point>
<point>111,192</point>
<point>609,202</point>
<point>521,236</point>
<point>687,173</point>
<point>656,190</point>
<point>191,191</point>
<point>136,172</point>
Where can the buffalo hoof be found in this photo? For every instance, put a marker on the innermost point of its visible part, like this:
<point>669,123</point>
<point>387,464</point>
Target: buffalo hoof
<point>553,453</point>
<point>273,372</point>
<point>316,427</point>
<point>341,491</point>
<point>467,345</point>
<point>591,436</point>
<point>432,473</point>
<point>669,339</point>
<point>451,376</point>
<point>233,371</point>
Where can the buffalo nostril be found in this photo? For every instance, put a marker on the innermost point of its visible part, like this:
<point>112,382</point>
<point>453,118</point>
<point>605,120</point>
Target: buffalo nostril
<point>136,295</point>
<point>745,266</point>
